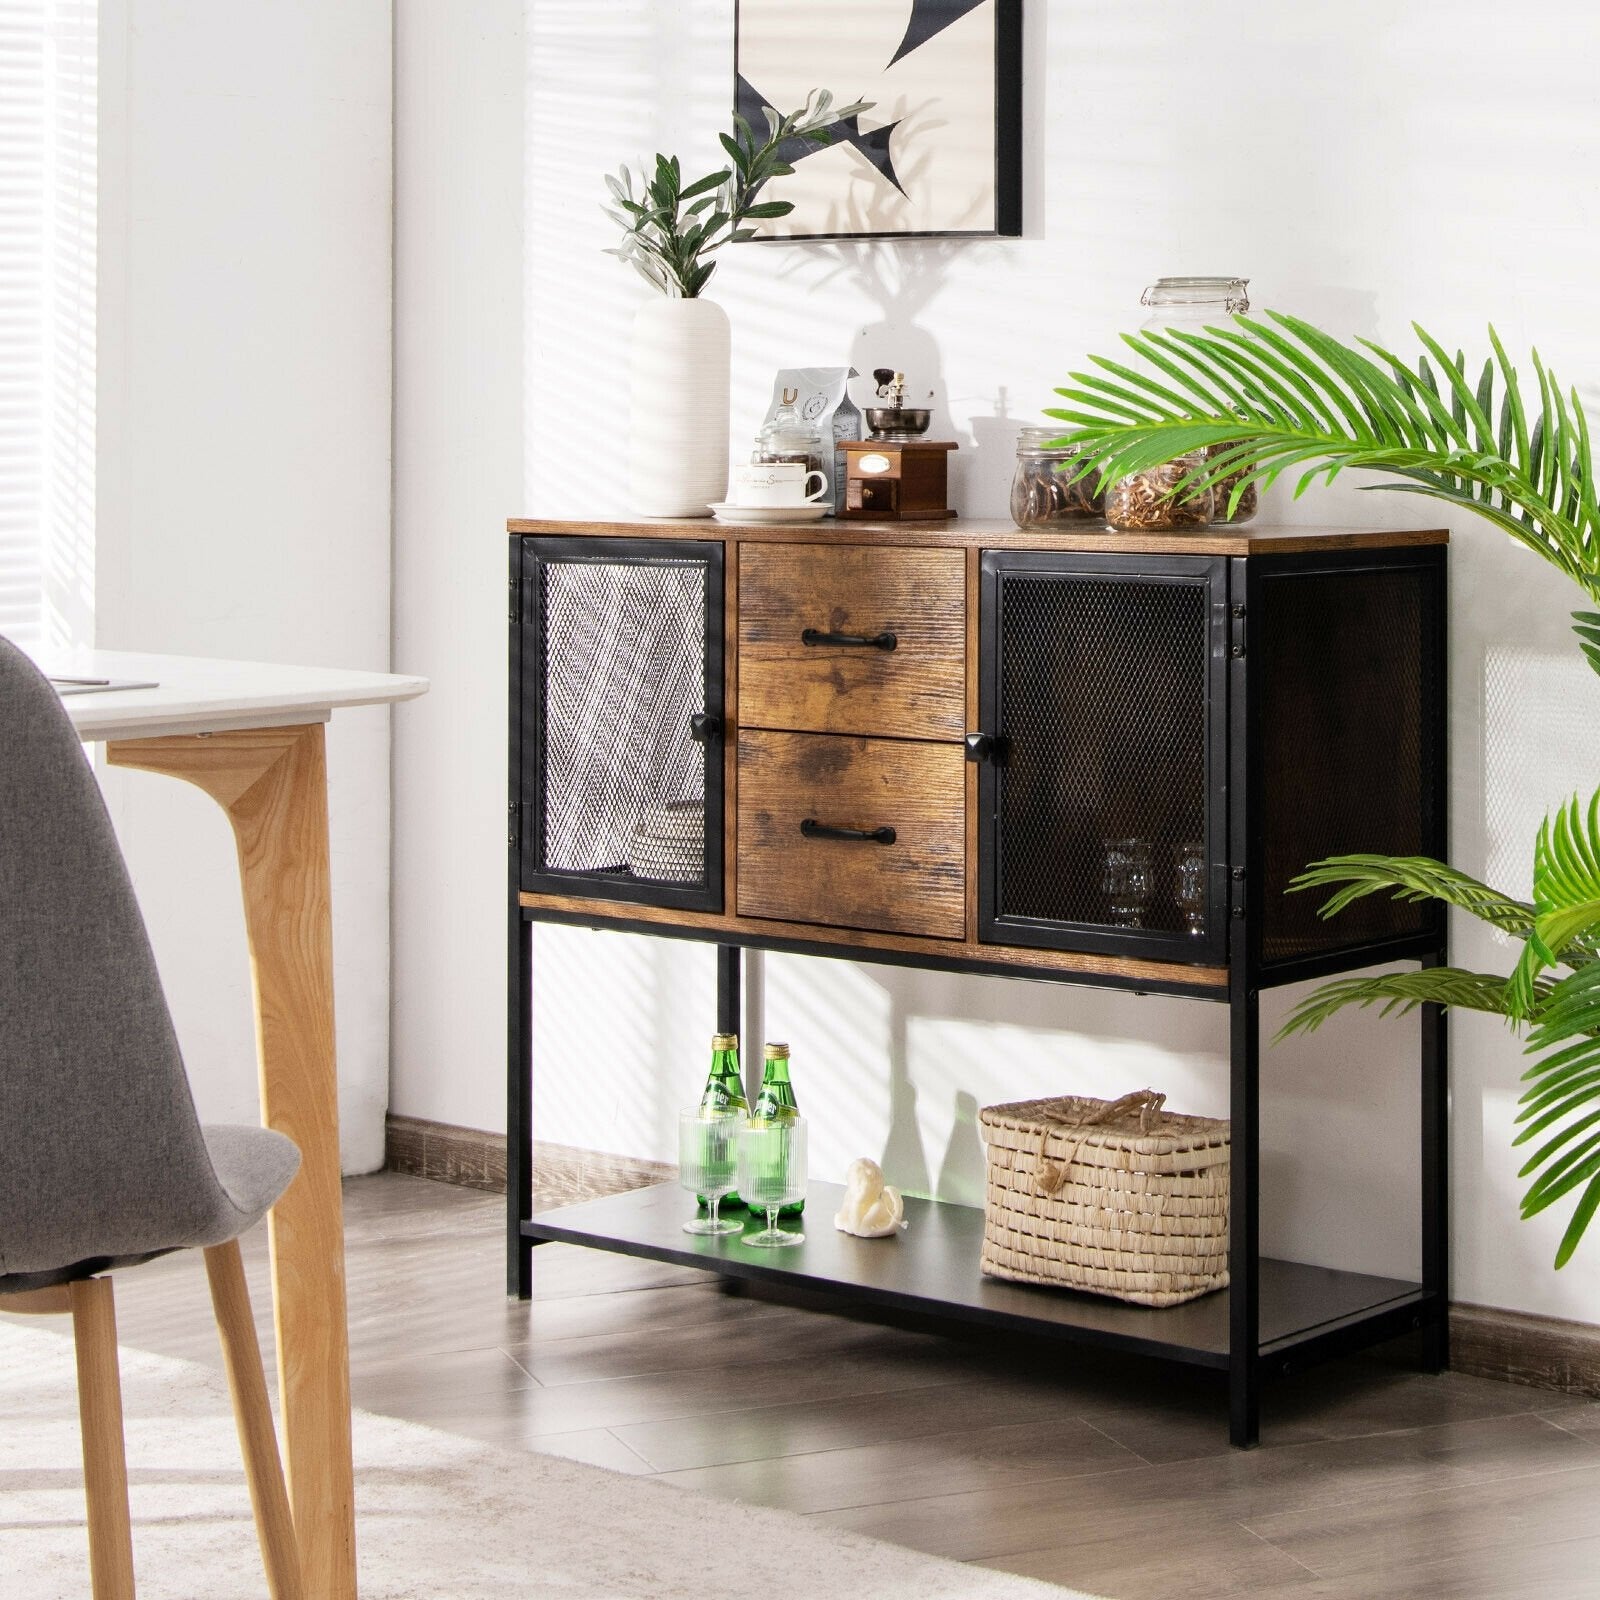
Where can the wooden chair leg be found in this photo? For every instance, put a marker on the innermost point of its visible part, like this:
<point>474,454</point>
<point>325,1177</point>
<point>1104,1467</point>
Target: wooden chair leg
<point>258,1442</point>
<point>105,1465</point>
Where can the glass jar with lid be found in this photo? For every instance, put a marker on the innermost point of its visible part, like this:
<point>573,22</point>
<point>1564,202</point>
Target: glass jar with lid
<point>1192,305</point>
<point>790,438</point>
<point>1043,494</point>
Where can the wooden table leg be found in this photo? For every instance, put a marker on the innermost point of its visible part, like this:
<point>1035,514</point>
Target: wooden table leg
<point>272,784</point>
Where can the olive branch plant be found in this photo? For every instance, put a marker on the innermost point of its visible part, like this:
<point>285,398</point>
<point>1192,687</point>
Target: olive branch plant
<point>1262,397</point>
<point>669,227</point>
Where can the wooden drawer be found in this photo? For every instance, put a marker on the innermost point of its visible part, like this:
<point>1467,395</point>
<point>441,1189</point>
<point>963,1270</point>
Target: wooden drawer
<point>917,690</point>
<point>914,885</point>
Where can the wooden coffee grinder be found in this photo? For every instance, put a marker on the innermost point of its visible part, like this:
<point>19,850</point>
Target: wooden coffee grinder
<point>894,474</point>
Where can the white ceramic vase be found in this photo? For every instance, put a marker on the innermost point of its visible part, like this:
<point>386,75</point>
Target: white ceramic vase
<point>678,434</point>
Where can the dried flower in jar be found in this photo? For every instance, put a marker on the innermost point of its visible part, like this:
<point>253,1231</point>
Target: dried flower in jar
<point>1144,503</point>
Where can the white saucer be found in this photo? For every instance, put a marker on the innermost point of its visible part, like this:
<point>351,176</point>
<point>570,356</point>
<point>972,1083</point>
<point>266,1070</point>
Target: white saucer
<point>813,511</point>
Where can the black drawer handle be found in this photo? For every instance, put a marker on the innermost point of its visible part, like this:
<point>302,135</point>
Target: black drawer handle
<point>704,726</point>
<point>855,641</point>
<point>813,829</point>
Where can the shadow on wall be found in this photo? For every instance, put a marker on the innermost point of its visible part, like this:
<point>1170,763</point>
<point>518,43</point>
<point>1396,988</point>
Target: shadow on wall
<point>975,1041</point>
<point>901,278</point>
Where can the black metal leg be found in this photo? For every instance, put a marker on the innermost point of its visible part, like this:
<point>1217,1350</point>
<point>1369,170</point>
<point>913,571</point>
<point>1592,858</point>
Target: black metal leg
<point>729,966</point>
<point>1244,1241</point>
<point>519,1108</point>
<point>1436,1182</point>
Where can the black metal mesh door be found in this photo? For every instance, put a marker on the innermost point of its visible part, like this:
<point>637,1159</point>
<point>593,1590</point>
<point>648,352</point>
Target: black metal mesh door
<point>1099,816</point>
<point>626,788</point>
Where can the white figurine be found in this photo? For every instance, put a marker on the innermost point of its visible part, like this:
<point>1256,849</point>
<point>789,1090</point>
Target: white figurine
<point>871,1209</point>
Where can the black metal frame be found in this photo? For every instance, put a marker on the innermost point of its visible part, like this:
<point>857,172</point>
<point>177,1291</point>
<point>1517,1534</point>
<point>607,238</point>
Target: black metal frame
<point>1248,974</point>
<point>519,957</point>
<point>1000,566</point>
<point>534,554</point>
<point>1390,1308</point>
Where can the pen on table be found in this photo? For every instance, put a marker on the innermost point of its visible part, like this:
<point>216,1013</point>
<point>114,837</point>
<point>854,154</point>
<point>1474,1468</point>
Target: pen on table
<point>82,682</point>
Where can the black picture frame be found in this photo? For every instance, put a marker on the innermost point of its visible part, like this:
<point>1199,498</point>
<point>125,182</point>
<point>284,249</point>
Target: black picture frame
<point>908,145</point>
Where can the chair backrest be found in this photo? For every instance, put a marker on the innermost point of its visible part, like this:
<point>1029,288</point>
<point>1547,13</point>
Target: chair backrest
<point>101,1153</point>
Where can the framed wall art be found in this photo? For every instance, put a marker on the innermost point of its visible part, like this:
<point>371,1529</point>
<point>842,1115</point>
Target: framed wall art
<point>940,151</point>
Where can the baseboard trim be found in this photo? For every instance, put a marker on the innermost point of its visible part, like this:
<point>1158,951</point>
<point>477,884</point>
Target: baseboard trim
<point>447,1154</point>
<point>1518,1347</point>
<point>473,1159</point>
<point>1485,1342</point>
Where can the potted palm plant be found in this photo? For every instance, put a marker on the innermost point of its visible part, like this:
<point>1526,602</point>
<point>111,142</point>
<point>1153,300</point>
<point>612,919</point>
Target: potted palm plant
<point>671,231</point>
<point>1264,397</point>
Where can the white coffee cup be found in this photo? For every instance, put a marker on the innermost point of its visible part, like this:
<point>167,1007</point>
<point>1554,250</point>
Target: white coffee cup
<point>774,483</point>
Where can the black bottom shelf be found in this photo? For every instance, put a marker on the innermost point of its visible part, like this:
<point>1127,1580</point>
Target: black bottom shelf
<point>1306,1313</point>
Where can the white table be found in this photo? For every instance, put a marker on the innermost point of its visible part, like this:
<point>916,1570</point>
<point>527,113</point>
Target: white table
<point>250,735</point>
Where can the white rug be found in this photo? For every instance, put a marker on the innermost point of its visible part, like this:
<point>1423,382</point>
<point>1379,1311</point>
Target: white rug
<point>438,1517</point>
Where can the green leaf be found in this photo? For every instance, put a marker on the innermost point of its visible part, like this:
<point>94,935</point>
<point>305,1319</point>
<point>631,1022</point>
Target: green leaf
<point>1582,1216</point>
<point>1319,407</point>
<point>1399,992</point>
<point>1413,879</point>
<point>1566,892</point>
<point>1556,1095</point>
<point>1586,624</point>
<point>1565,1137</point>
<point>712,180</point>
<point>668,233</point>
<point>1561,1177</point>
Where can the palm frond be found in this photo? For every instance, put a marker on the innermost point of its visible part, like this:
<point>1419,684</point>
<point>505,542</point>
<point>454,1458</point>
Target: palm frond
<point>1562,1100</point>
<point>1414,878</point>
<point>1566,894</point>
<point>1274,395</point>
<point>1399,992</point>
<point>1269,397</point>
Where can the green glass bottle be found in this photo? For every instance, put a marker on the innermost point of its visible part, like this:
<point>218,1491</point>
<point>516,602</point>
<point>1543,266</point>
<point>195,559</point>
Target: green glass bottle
<point>775,1102</point>
<point>724,1091</point>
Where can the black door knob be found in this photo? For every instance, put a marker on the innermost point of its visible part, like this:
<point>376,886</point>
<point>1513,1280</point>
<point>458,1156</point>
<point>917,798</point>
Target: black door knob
<point>986,747</point>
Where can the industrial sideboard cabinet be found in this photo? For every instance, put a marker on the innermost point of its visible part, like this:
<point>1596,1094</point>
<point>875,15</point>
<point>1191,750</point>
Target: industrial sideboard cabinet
<point>933,745</point>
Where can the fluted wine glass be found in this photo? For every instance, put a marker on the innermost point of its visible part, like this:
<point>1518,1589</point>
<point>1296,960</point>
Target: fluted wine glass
<point>708,1144</point>
<point>772,1173</point>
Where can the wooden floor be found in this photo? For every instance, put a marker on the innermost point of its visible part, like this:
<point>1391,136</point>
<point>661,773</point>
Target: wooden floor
<point>1110,1475</point>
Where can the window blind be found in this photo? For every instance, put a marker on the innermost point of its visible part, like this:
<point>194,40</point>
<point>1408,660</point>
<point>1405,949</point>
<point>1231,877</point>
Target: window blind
<point>47,295</point>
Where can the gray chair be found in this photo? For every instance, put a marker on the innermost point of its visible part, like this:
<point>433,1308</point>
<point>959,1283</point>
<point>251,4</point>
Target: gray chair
<point>103,1162</point>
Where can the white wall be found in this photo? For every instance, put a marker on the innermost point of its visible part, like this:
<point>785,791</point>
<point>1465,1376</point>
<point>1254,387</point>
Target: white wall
<point>1364,164</point>
<point>243,461</point>
<point>459,378</point>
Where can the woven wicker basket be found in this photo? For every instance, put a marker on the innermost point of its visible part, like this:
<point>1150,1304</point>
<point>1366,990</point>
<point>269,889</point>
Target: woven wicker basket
<point>1117,1197</point>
